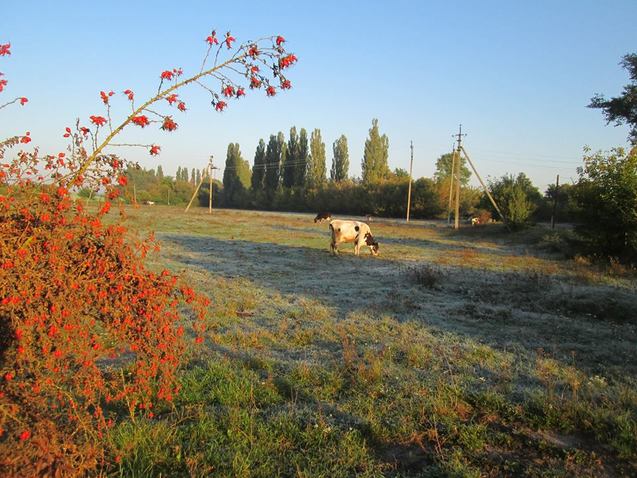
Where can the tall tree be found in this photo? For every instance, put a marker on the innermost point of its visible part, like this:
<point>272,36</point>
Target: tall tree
<point>273,162</point>
<point>291,159</point>
<point>316,165</point>
<point>340,162</point>
<point>198,176</point>
<point>283,155</point>
<point>243,171</point>
<point>443,169</point>
<point>374,165</point>
<point>258,169</point>
<point>184,175</point>
<point>160,172</point>
<point>235,180</point>
<point>193,177</point>
<point>622,109</point>
<point>303,156</point>
<point>178,174</point>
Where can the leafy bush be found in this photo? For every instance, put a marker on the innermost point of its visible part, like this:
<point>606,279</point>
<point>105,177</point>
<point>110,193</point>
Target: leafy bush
<point>516,197</point>
<point>607,195</point>
<point>75,297</point>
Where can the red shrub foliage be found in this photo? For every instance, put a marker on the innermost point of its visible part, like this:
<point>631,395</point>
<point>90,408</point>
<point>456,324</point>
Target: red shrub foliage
<point>88,334</point>
<point>75,300</point>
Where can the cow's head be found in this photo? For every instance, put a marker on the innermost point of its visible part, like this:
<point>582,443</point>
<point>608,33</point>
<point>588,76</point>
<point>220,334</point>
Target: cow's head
<point>372,243</point>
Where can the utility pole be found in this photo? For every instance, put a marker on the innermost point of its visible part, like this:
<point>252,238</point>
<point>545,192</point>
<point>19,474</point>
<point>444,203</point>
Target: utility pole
<point>458,136</point>
<point>210,169</point>
<point>411,164</point>
<point>451,179</point>
<point>486,189</point>
<point>554,213</point>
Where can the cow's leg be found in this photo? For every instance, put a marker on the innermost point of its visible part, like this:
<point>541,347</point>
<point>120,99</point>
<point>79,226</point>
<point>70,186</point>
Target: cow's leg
<point>334,248</point>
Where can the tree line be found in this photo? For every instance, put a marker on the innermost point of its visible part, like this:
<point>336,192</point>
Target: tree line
<point>292,175</point>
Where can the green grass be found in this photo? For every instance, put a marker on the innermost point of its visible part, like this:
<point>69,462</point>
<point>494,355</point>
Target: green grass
<point>508,364</point>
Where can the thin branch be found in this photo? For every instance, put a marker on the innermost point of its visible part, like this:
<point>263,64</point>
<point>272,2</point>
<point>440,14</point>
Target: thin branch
<point>131,144</point>
<point>154,99</point>
<point>10,102</point>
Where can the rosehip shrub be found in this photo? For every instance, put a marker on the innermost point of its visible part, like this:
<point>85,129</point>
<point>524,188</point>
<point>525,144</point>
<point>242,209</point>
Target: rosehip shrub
<point>76,305</point>
<point>88,334</point>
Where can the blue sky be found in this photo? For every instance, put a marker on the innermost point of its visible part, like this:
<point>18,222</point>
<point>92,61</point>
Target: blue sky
<point>518,76</point>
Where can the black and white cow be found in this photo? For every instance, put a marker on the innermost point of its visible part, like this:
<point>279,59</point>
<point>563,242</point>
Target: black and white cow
<point>352,231</point>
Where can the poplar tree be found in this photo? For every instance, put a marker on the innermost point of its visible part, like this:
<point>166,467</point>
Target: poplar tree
<point>291,159</point>
<point>374,165</point>
<point>303,154</point>
<point>235,179</point>
<point>258,169</point>
<point>243,171</point>
<point>160,172</point>
<point>273,163</point>
<point>340,163</point>
<point>316,165</point>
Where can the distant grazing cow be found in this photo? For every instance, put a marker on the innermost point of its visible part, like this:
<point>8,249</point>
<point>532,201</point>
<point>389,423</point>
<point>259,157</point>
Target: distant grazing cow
<point>323,216</point>
<point>352,231</point>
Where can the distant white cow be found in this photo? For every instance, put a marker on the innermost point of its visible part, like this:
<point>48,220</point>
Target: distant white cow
<point>352,231</point>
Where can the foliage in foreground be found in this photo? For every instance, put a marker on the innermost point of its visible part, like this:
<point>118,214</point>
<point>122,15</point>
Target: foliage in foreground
<point>77,297</point>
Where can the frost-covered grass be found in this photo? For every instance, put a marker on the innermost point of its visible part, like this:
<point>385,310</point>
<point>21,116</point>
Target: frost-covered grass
<point>469,354</point>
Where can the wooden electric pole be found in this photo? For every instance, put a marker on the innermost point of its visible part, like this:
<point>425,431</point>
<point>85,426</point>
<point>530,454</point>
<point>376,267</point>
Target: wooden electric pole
<point>556,193</point>
<point>411,165</point>
<point>451,178</point>
<point>459,135</point>
<point>486,190</point>
<point>210,169</point>
<point>456,161</point>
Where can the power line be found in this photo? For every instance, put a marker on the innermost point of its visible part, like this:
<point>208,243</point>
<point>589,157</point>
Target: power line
<point>564,159</point>
<point>528,164</point>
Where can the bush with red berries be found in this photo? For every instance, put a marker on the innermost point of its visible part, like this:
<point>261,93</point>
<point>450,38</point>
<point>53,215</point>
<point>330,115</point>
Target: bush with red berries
<point>88,333</point>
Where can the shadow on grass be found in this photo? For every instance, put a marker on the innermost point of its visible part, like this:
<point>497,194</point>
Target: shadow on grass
<point>504,310</point>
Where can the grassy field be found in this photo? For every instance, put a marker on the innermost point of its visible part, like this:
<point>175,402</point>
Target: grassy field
<point>470,353</point>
